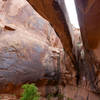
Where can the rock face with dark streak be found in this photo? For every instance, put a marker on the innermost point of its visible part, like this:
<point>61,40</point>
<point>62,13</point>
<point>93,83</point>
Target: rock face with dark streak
<point>88,14</point>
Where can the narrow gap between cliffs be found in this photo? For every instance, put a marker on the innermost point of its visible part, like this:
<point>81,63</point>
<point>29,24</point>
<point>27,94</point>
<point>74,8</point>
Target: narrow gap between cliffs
<point>72,14</point>
<point>84,58</point>
<point>74,28</point>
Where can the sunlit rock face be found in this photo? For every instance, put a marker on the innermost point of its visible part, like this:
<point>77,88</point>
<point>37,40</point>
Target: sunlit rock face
<point>55,12</point>
<point>89,19</point>
<point>29,48</point>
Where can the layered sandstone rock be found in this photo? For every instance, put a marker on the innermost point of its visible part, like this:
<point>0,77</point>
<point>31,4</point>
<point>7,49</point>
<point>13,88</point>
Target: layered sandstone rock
<point>88,12</point>
<point>86,61</point>
<point>50,10</point>
<point>30,50</point>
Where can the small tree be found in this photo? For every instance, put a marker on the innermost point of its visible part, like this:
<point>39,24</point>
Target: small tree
<point>30,92</point>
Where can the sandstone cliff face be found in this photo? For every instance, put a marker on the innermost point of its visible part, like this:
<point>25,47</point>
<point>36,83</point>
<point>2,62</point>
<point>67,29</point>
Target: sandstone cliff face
<point>30,50</point>
<point>88,13</point>
<point>87,64</point>
<point>51,11</point>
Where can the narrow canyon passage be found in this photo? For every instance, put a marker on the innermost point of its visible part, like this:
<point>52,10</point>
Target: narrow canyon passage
<point>40,43</point>
<point>86,70</point>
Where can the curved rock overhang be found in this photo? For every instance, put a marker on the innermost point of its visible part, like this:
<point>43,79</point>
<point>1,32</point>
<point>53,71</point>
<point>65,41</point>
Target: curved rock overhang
<point>51,10</point>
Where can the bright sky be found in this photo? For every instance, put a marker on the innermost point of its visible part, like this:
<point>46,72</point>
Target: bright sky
<point>72,12</point>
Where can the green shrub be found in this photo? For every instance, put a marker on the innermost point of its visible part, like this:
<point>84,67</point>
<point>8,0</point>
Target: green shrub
<point>30,92</point>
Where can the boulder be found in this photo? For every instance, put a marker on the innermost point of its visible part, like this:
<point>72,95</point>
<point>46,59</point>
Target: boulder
<point>30,50</point>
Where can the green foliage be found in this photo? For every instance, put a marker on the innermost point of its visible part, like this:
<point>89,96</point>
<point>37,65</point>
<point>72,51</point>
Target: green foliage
<point>30,92</point>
